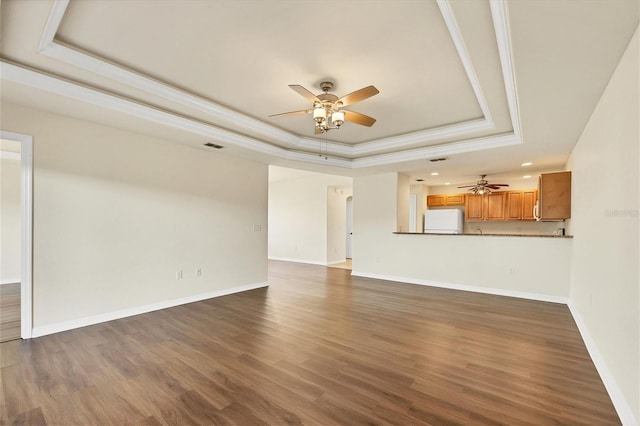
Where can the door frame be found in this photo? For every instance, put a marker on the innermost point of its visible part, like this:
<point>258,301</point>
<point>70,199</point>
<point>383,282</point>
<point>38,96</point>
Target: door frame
<point>26,233</point>
<point>349,227</point>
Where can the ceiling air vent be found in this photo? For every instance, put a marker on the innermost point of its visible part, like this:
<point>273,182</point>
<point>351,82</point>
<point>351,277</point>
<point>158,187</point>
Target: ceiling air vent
<point>213,145</point>
<point>435,160</point>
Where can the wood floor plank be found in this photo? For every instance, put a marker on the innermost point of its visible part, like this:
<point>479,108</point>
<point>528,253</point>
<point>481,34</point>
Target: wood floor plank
<point>316,347</point>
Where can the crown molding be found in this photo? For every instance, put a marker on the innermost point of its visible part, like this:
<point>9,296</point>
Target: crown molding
<point>54,84</point>
<point>59,50</point>
<point>463,53</point>
<point>337,154</point>
<point>460,147</point>
<point>503,38</point>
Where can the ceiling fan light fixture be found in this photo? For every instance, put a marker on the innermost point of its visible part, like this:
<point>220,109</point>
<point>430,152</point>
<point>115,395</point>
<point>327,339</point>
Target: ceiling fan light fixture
<point>319,115</point>
<point>337,118</point>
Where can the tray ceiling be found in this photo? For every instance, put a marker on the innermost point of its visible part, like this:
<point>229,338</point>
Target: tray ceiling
<point>215,70</point>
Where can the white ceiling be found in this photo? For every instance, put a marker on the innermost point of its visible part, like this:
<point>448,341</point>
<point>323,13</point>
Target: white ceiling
<point>487,84</point>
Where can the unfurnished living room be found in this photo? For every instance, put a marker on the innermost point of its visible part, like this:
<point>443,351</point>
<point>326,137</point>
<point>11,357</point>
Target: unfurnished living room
<point>328,212</point>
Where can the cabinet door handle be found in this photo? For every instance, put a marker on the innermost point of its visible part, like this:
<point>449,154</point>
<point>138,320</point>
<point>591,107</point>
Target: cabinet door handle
<point>535,212</point>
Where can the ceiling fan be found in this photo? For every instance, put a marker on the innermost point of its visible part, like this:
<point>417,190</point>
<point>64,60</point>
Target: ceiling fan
<point>327,107</point>
<point>483,187</point>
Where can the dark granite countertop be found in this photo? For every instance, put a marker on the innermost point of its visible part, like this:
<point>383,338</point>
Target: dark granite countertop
<point>489,235</point>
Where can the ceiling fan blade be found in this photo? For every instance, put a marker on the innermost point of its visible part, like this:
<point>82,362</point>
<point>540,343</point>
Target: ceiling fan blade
<point>292,113</point>
<point>492,186</point>
<point>468,186</point>
<point>304,92</point>
<point>356,117</point>
<point>358,95</point>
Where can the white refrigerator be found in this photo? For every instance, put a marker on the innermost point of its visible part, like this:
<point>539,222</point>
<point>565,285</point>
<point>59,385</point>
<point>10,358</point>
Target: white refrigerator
<point>443,221</point>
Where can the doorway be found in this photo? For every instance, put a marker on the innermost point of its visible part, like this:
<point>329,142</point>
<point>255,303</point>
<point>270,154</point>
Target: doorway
<point>16,284</point>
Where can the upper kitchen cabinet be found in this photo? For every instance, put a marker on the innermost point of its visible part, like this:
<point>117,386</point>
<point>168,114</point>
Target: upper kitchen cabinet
<point>554,196</point>
<point>519,205</point>
<point>445,200</point>
<point>485,207</point>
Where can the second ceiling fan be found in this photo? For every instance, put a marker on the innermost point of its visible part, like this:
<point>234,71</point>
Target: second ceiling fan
<point>483,186</point>
<point>327,107</point>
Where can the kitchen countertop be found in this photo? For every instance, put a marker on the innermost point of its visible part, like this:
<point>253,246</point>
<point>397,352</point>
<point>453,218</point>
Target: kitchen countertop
<point>490,235</point>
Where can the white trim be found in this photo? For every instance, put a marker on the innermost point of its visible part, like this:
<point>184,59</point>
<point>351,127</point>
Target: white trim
<point>110,316</point>
<point>75,56</point>
<point>6,155</point>
<point>289,259</point>
<point>617,396</point>
<point>54,20</point>
<point>12,72</point>
<point>458,147</point>
<point>463,287</point>
<point>335,262</point>
<point>26,219</point>
<point>10,282</point>
<point>503,38</point>
<point>463,53</point>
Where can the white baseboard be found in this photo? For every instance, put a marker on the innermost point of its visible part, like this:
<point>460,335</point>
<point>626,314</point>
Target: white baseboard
<point>110,316</point>
<point>288,259</point>
<point>464,287</point>
<point>335,262</point>
<point>617,397</point>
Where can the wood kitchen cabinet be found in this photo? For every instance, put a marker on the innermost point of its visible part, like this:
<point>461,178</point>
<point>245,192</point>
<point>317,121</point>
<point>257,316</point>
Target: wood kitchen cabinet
<point>495,203</point>
<point>445,200</point>
<point>484,207</point>
<point>554,196</point>
<point>514,207</point>
<point>500,206</point>
<point>473,210</point>
<point>528,202</point>
<point>519,205</point>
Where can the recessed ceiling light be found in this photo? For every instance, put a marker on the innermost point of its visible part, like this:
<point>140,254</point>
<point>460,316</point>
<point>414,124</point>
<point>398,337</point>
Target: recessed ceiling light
<point>526,164</point>
<point>435,174</point>
<point>447,183</point>
<point>526,177</point>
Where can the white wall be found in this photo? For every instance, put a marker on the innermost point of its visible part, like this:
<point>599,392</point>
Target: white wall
<point>116,214</point>
<point>10,229</point>
<point>299,228</point>
<point>402,214</point>
<point>605,206</point>
<point>506,265</point>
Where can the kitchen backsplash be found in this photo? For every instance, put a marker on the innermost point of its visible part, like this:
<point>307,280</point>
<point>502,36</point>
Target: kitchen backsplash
<point>528,228</point>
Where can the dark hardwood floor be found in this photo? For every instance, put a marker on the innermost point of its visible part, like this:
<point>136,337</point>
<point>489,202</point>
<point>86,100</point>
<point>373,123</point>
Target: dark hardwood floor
<point>316,347</point>
<point>9,312</point>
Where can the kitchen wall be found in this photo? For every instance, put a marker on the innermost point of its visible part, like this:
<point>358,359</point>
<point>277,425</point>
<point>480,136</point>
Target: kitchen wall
<point>605,204</point>
<point>402,203</point>
<point>10,222</point>
<point>117,214</point>
<point>503,265</point>
<point>304,218</point>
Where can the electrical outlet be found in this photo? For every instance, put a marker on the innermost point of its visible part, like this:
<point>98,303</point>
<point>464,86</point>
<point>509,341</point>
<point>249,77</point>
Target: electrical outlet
<point>257,228</point>
<point>199,272</point>
<point>179,274</point>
